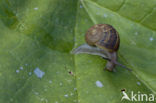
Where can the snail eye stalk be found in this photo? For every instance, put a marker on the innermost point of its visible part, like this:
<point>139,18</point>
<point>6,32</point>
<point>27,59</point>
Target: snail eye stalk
<point>117,63</point>
<point>123,66</point>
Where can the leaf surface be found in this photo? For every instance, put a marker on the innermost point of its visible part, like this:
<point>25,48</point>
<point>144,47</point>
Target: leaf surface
<point>41,34</point>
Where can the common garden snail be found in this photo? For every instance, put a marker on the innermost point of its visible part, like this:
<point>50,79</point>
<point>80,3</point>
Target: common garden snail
<point>102,40</point>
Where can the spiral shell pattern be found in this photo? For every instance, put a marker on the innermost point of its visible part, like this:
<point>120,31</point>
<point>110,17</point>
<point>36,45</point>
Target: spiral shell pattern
<point>103,36</point>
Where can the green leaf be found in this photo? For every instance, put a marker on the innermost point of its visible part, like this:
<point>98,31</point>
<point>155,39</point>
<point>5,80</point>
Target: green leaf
<point>137,51</point>
<point>41,33</point>
<point>37,34</point>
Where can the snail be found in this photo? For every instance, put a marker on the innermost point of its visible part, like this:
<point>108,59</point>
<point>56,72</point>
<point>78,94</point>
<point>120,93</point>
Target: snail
<point>102,40</point>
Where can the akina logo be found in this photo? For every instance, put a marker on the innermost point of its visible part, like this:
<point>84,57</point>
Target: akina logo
<point>137,96</point>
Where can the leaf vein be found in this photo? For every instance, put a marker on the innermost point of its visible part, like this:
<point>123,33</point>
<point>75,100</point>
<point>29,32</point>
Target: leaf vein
<point>122,4</point>
<point>154,30</point>
<point>146,16</point>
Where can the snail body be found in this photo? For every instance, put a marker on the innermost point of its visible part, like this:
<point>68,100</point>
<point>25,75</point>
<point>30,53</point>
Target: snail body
<point>102,40</point>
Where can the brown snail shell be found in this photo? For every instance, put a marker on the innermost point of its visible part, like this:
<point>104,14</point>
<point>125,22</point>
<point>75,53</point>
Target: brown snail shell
<point>103,36</point>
